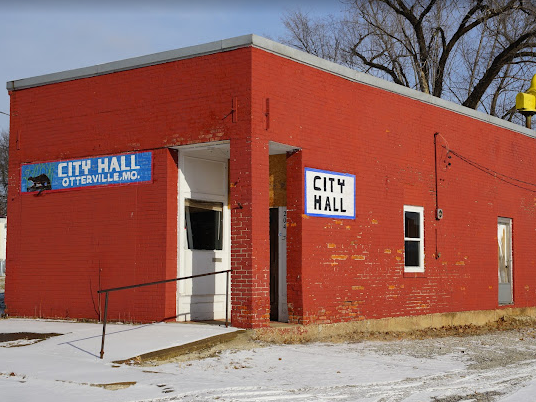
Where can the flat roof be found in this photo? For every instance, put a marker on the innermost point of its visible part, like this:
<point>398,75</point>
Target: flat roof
<point>272,47</point>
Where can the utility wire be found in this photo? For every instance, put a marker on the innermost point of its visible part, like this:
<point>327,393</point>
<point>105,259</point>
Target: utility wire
<point>501,176</point>
<point>7,114</point>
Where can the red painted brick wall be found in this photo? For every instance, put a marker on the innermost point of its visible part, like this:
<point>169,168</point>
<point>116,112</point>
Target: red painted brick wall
<point>250,254</point>
<point>64,246</point>
<point>340,269</point>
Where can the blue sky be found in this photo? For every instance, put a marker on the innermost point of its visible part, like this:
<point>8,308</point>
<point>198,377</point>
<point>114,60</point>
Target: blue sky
<point>45,36</point>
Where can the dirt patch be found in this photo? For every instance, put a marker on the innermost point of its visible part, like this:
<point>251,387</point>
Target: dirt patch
<point>475,397</point>
<point>2,284</point>
<point>114,386</point>
<point>18,339</point>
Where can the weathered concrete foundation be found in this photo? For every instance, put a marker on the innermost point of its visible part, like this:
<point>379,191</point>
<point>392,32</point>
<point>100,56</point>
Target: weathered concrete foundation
<point>315,332</point>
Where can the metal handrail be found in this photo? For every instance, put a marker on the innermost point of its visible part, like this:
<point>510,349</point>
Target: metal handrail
<point>107,291</point>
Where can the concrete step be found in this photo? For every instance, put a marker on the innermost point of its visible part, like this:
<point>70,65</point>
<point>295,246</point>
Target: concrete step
<point>168,353</point>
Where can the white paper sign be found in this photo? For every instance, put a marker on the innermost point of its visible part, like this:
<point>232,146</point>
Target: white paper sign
<point>329,194</point>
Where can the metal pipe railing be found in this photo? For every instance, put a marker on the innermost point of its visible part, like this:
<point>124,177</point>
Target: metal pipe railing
<point>107,291</point>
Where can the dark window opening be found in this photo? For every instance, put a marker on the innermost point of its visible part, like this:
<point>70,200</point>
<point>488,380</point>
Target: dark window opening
<point>412,253</point>
<point>413,239</point>
<point>413,229</point>
<point>204,224</point>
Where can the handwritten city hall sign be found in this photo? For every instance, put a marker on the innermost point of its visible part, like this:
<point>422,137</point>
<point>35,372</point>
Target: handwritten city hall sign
<point>329,194</point>
<point>88,172</point>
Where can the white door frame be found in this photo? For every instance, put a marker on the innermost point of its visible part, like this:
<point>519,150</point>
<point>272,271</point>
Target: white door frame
<point>189,305</point>
<point>504,239</point>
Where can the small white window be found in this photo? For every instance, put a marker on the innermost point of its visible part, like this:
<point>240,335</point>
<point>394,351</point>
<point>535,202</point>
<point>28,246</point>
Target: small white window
<point>413,239</point>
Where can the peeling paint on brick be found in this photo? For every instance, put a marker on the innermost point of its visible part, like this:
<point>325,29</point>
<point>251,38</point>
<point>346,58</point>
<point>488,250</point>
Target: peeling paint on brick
<point>339,257</point>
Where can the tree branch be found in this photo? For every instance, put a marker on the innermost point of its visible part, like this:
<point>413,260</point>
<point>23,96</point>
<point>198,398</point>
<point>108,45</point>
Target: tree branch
<point>420,57</point>
<point>378,66</point>
<point>503,58</point>
<point>463,29</point>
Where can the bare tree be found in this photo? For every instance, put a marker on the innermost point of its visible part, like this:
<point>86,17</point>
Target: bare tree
<point>4,158</point>
<point>478,53</point>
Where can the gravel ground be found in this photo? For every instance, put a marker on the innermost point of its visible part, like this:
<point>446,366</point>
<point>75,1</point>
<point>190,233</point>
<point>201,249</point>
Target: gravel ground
<point>498,363</point>
<point>480,351</point>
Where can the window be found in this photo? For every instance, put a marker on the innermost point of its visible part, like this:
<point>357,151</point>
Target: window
<point>413,239</point>
<point>204,224</point>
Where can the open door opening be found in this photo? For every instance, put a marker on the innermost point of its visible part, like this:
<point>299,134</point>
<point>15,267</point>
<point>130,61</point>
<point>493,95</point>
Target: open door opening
<point>278,233</point>
<point>504,238</point>
<point>274,265</point>
<point>278,264</point>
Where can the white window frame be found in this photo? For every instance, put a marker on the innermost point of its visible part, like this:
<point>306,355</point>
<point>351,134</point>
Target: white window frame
<point>420,211</point>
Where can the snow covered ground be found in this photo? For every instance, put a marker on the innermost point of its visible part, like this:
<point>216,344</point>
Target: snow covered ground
<point>494,367</point>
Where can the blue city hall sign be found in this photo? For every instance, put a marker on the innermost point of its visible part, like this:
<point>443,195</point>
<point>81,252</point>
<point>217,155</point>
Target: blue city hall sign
<point>88,172</point>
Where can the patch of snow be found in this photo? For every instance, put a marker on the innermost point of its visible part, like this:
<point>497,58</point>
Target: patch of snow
<point>67,368</point>
<point>527,393</point>
<point>122,341</point>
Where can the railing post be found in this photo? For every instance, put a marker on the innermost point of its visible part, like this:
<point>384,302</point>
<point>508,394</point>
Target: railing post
<point>107,291</point>
<point>227,300</point>
<point>104,325</point>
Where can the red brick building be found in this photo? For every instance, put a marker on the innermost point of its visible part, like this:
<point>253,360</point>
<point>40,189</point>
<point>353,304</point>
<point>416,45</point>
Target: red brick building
<point>319,186</point>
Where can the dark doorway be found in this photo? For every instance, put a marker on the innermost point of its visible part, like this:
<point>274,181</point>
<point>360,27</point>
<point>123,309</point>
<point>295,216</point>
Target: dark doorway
<point>274,264</point>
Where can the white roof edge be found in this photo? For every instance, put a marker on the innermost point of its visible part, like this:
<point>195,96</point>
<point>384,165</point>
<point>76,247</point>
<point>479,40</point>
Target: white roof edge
<point>270,46</point>
<point>132,63</point>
